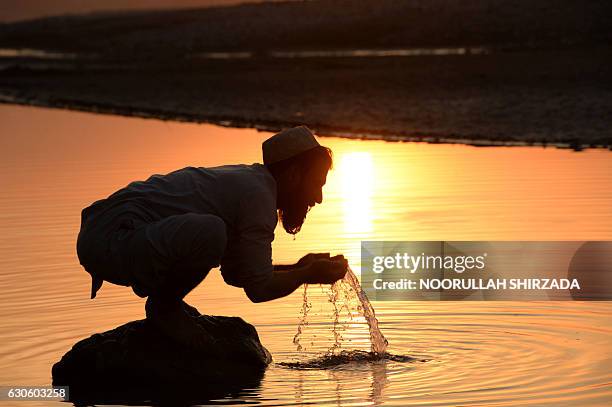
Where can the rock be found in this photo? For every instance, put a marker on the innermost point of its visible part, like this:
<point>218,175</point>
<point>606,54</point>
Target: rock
<point>134,362</point>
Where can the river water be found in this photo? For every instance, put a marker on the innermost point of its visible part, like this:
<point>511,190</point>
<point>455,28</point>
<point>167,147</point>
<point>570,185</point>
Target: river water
<point>55,162</point>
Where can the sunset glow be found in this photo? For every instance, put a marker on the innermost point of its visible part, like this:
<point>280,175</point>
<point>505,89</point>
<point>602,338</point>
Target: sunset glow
<point>357,174</point>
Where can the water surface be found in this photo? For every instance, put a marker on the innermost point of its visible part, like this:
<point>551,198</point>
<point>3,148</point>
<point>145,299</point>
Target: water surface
<point>54,163</point>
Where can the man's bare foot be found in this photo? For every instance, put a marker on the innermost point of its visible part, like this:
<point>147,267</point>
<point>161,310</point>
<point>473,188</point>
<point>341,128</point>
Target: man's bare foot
<point>174,320</point>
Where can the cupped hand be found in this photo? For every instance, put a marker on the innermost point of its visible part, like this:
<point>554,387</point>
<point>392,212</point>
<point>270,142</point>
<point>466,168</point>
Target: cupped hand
<point>311,257</point>
<point>327,271</point>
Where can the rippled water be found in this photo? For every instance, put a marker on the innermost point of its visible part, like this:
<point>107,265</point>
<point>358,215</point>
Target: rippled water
<point>54,163</point>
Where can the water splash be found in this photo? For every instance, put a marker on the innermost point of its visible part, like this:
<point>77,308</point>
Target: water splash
<point>354,356</point>
<point>306,306</point>
<point>342,294</point>
<point>378,340</point>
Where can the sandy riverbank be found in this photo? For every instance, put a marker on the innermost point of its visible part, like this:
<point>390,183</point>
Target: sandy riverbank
<point>541,74</point>
<point>546,97</point>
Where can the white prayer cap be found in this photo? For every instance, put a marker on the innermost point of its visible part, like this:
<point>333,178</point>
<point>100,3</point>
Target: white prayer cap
<point>287,144</point>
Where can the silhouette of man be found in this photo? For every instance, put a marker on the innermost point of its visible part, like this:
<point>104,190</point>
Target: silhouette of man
<point>163,235</point>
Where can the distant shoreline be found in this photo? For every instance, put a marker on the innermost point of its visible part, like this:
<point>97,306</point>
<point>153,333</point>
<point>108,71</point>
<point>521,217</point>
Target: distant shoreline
<point>485,72</point>
<point>322,131</point>
<point>555,98</point>
<point>313,25</point>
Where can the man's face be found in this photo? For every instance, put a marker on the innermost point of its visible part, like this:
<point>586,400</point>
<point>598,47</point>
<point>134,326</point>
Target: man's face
<point>300,197</point>
<point>312,186</point>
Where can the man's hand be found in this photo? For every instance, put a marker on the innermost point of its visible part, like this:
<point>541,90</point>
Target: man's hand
<point>314,268</point>
<point>311,257</point>
<point>327,270</point>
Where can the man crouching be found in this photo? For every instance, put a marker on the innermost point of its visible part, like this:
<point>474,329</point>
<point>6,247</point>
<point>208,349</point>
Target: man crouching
<point>162,236</point>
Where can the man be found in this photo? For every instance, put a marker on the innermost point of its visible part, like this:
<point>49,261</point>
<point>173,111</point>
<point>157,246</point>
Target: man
<point>163,235</point>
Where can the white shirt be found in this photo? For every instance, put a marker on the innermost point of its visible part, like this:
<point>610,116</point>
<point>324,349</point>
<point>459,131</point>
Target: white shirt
<point>243,196</point>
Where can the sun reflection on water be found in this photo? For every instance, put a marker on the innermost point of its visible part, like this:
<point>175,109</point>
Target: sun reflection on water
<point>356,173</point>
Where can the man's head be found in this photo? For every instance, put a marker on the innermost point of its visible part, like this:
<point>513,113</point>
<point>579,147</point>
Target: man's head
<point>299,165</point>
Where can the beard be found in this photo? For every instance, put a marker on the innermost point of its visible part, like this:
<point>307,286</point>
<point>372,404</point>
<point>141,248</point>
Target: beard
<point>293,214</point>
